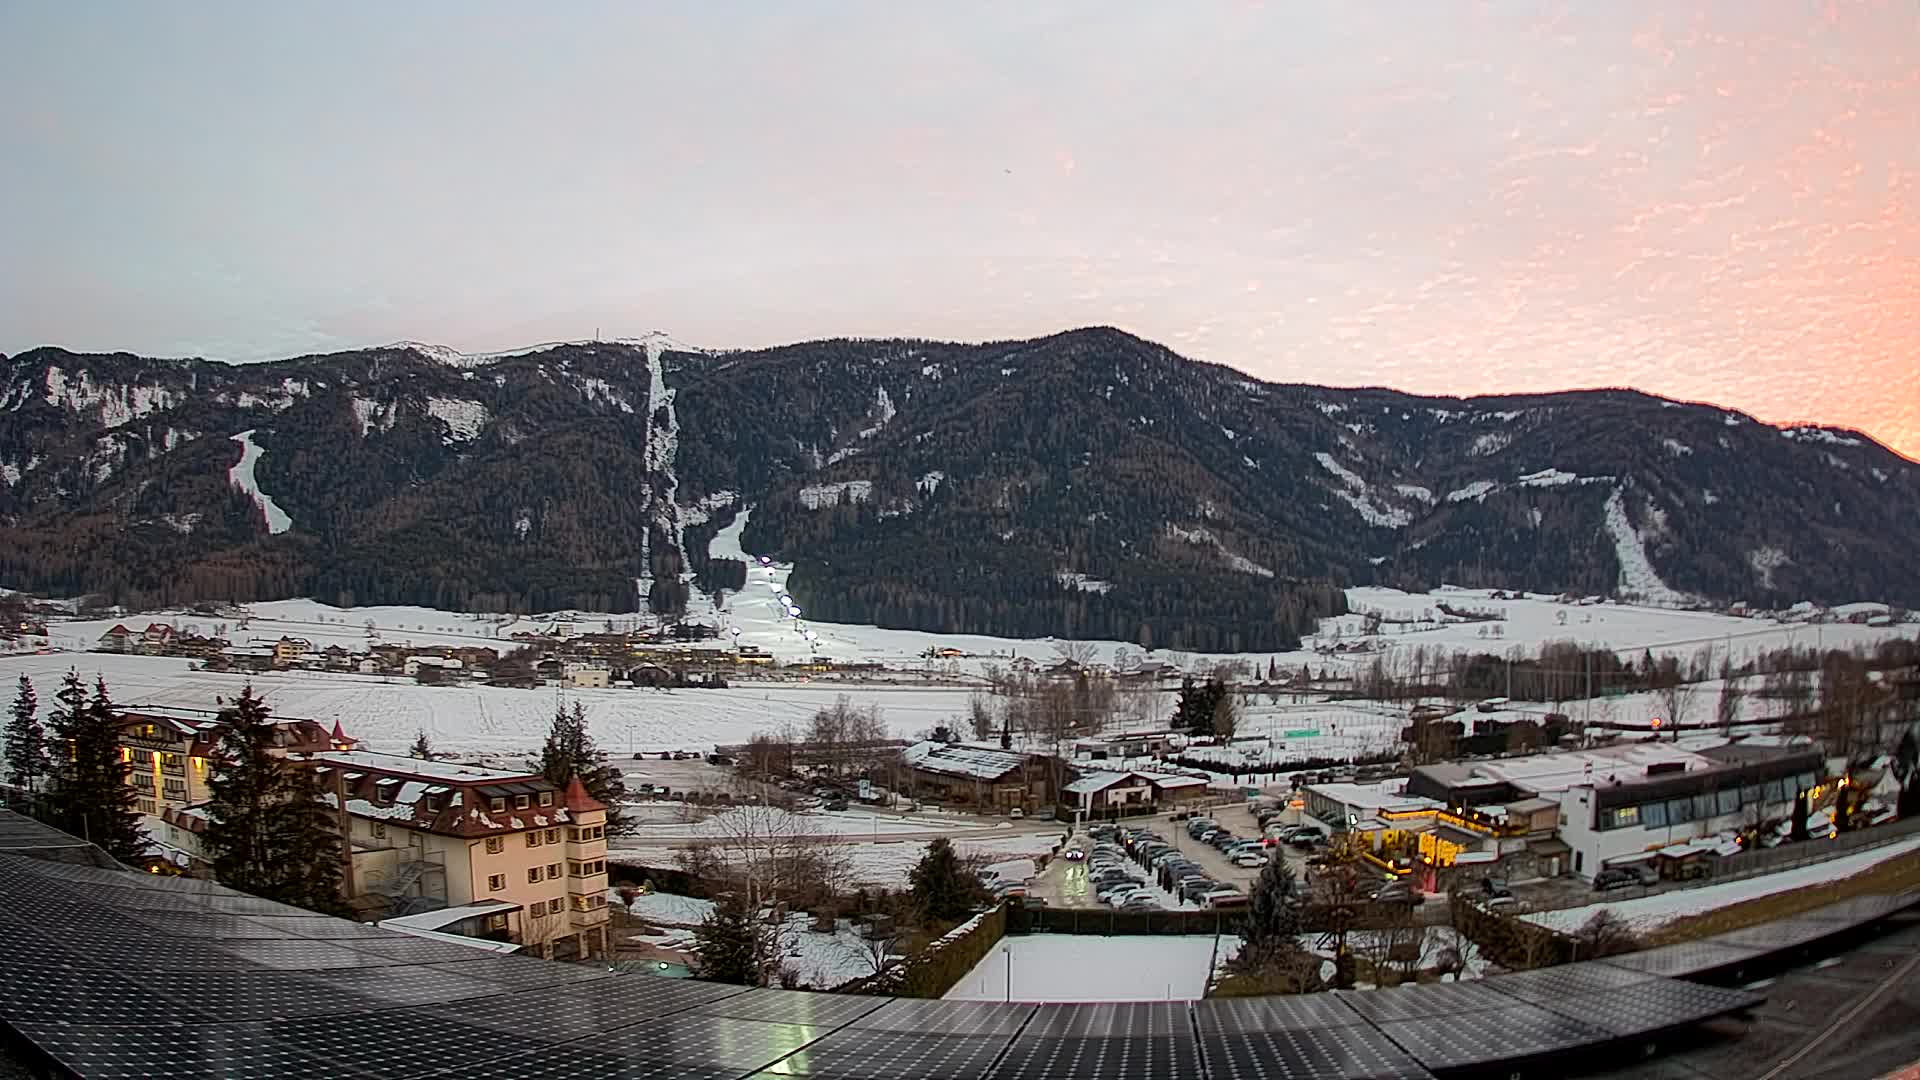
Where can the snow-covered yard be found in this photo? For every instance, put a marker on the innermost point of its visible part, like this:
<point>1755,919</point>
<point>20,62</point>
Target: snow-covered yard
<point>1087,967</point>
<point>1652,912</point>
<point>822,960</point>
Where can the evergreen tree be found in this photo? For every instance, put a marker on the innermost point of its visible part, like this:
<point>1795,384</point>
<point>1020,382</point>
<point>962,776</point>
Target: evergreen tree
<point>727,943</point>
<point>1273,913</point>
<point>941,886</point>
<point>421,748</point>
<point>88,793</point>
<point>26,741</point>
<point>570,751</point>
<point>268,833</point>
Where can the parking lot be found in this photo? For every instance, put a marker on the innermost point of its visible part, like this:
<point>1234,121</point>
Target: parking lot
<point>1066,882</point>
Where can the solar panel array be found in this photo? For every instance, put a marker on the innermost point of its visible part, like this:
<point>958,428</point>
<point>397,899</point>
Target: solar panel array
<point>118,974</point>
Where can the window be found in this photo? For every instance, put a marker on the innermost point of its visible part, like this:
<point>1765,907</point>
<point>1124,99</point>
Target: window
<point>533,838</point>
<point>553,870</point>
<point>1703,806</point>
<point>1654,815</point>
<point>176,789</point>
<point>1679,811</point>
<point>546,798</point>
<point>1752,794</point>
<point>383,790</point>
<point>497,803</point>
<point>1625,816</point>
<point>1578,858</point>
<point>496,922</point>
<point>379,830</point>
<point>519,802</point>
<point>1777,791</point>
<point>553,836</point>
<point>496,845</point>
<point>573,867</point>
<point>143,780</point>
<point>533,876</point>
<point>143,757</point>
<point>146,807</point>
<point>433,804</point>
<point>496,882</point>
<point>1728,801</point>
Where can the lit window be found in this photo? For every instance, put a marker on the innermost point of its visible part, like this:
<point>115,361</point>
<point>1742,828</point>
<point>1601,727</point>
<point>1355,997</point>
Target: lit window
<point>496,845</point>
<point>546,798</point>
<point>496,882</point>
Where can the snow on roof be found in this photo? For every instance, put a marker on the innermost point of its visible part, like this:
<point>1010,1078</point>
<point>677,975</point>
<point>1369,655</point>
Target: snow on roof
<point>1385,795</point>
<point>1098,781</point>
<point>400,763</point>
<point>1172,780</point>
<point>1468,857</point>
<point>434,920</point>
<point>454,939</point>
<point>1585,768</point>
<point>970,761</point>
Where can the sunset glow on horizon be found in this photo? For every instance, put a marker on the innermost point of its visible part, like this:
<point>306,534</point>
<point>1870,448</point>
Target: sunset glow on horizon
<point>1711,201</point>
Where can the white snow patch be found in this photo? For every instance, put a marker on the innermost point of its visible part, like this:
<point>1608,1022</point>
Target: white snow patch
<point>930,483</point>
<point>1491,443</point>
<point>1707,496</point>
<point>370,414</point>
<point>1637,576</point>
<point>1557,478</point>
<point>815,496</point>
<point>10,473</point>
<point>1082,582</point>
<point>180,523</point>
<point>1475,491</point>
<point>1677,448</point>
<point>1415,492</point>
<point>1810,434</point>
<point>1234,562</point>
<point>1328,408</point>
<point>1361,498</point>
<point>116,404</point>
<point>241,476</point>
<point>1095,967</point>
<point>1765,560</point>
<point>598,389</point>
<point>463,418</point>
<point>1878,474</point>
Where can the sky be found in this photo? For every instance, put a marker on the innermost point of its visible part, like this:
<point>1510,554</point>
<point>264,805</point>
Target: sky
<point>1715,201</point>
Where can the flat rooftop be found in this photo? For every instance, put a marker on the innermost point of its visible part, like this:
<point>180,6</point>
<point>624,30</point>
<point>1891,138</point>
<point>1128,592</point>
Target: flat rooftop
<point>412,766</point>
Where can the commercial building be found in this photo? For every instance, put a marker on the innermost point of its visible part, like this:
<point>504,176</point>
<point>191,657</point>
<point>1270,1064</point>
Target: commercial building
<point>1612,805</point>
<point>519,857</point>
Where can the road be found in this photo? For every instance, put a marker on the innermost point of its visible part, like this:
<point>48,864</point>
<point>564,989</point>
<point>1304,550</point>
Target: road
<point>1850,1016</point>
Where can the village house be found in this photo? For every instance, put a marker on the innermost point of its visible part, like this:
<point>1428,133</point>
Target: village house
<point>117,639</point>
<point>1002,779</point>
<point>169,753</point>
<point>490,851</point>
<point>1113,794</point>
<point>289,651</point>
<point>156,639</point>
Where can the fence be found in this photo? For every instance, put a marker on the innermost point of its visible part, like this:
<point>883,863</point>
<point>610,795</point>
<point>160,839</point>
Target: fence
<point>1764,861</point>
<point>935,970</point>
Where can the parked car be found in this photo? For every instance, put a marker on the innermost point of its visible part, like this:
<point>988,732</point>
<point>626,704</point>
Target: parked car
<point>1250,860</point>
<point>1614,877</point>
<point>1494,890</point>
<point>1399,892</point>
<point>836,804</point>
<point>1075,855</point>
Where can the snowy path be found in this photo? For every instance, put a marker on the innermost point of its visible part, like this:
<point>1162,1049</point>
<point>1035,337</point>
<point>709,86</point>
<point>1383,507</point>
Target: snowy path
<point>241,476</point>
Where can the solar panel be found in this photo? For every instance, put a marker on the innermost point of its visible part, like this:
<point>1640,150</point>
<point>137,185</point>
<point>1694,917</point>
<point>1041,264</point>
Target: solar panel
<point>1653,1006</point>
<point>1685,959</point>
<point>1043,1058</point>
<point>792,1007</point>
<point>947,1017</point>
<point>1130,1018</point>
<point>1307,1054</point>
<point>1778,935</point>
<point>1568,980</point>
<point>1513,1031</point>
<point>1290,1013</point>
<point>113,1051</point>
<point>1419,1002</point>
<point>860,1053</point>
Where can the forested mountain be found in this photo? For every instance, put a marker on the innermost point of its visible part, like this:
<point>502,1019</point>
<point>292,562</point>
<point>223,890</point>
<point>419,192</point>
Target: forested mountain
<point>1084,484</point>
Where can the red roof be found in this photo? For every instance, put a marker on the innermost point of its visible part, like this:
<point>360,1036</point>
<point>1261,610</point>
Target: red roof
<point>117,629</point>
<point>577,800</point>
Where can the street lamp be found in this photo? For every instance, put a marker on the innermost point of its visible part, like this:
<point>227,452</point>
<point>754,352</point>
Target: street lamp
<point>1007,951</point>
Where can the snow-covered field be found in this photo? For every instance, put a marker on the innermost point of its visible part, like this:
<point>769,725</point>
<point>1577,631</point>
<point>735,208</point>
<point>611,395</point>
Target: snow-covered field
<point>873,860</point>
<point>1651,912</point>
<point>467,719</point>
<point>822,960</point>
<point>1086,967</point>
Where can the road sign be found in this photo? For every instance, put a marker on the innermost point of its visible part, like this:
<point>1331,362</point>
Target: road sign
<point>1303,733</point>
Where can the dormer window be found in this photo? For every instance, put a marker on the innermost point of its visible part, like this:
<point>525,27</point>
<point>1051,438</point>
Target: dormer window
<point>546,798</point>
<point>383,790</point>
<point>497,803</point>
<point>433,804</point>
<point>520,802</point>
